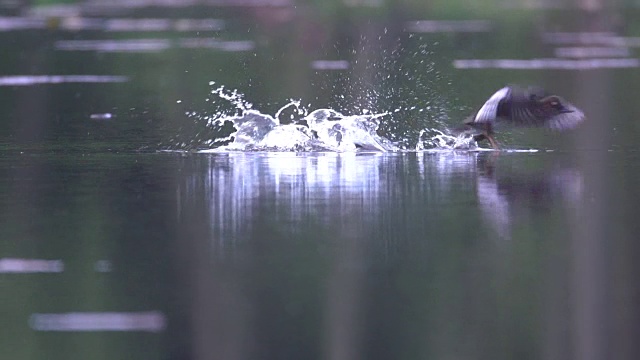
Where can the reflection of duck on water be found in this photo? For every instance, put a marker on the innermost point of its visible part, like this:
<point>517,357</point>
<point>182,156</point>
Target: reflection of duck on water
<point>532,107</point>
<point>501,193</point>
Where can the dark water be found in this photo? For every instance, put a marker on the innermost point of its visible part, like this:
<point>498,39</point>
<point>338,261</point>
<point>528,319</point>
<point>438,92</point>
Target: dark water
<point>311,255</point>
<point>113,247</point>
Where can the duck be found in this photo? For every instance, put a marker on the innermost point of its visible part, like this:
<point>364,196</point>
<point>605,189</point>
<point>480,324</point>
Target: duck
<point>530,106</point>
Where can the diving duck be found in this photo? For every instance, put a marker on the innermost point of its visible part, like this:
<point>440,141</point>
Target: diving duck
<point>531,106</point>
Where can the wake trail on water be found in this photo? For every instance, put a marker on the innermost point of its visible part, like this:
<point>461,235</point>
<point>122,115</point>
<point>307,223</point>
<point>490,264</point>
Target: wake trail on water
<point>295,128</point>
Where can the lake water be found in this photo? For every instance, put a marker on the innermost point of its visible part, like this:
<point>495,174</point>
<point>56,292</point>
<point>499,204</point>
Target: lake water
<point>128,233</point>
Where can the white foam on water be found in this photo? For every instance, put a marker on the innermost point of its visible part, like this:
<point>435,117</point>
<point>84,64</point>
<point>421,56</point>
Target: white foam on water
<point>321,130</point>
<point>293,128</point>
<point>434,139</point>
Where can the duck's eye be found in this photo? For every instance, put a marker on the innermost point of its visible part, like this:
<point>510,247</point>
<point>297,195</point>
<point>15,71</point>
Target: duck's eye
<point>554,103</point>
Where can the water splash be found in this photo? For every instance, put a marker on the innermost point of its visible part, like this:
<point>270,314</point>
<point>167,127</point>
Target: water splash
<point>294,128</point>
<point>430,139</point>
<point>434,140</point>
<point>232,97</point>
<point>321,130</point>
<point>348,133</point>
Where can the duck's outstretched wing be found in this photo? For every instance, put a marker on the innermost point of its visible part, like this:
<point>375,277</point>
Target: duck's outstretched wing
<point>531,107</point>
<point>534,107</point>
<point>492,107</point>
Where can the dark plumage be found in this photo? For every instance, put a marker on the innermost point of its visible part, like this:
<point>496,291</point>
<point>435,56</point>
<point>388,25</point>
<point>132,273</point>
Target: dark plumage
<point>530,106</point>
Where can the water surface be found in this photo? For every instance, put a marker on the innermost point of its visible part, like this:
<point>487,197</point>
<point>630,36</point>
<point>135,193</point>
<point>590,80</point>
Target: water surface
<point>127,232</point>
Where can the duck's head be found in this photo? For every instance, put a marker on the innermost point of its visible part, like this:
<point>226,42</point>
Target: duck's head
<point>556,104</point>
<point>556,113</point>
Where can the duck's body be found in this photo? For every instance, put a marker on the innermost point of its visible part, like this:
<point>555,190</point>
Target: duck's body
<point>530,106</point>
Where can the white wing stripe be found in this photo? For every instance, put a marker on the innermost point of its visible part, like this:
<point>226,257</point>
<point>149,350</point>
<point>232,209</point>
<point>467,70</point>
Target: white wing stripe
<point>489,110</point>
